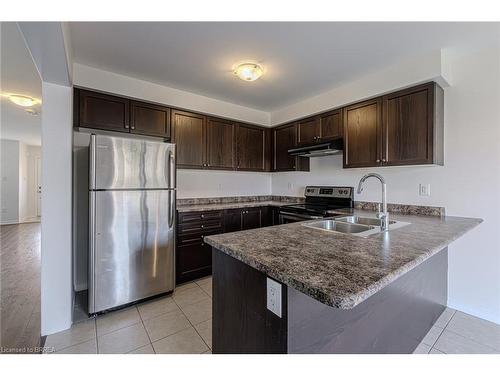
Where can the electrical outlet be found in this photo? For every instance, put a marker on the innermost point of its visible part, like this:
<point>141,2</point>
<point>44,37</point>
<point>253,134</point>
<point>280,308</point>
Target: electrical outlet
<point>274,296</point>
<point>424,190</point>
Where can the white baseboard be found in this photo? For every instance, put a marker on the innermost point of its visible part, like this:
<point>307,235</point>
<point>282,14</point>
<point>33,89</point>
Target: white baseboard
<point>33,219</point>
<point>9,222</point>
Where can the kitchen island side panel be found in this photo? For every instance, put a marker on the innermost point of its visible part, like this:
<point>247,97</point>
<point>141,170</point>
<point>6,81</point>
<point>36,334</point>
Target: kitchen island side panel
<point>393,320</point>
<point>241,322</point>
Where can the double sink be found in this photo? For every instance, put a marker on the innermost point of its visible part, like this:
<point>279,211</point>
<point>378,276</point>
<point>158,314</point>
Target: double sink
<point>355,225</point>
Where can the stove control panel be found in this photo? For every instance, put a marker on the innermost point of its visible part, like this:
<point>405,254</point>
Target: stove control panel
<point>329,191</point>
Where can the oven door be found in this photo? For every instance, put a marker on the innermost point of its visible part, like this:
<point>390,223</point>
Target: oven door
<point>292,217</point>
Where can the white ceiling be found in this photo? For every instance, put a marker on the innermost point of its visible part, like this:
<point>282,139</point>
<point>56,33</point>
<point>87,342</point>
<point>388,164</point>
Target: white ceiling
<point>301,59</point>
<point>18,76</point>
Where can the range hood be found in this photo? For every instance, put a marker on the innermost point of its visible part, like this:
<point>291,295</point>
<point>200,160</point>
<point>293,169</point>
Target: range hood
<point>319,149</point>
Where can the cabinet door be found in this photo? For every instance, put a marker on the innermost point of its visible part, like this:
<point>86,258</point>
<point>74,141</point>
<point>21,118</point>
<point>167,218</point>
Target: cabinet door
<point>408,125</point>
<point>232,220</point>
<point>149,119</point>
<point>101,111</point>
<point>330,125</point>
<point>250,148</point>
<point>308,131</point>
<point>362,134</point>
<point>284,139</point>
<point>188,133</point>
<point>193,261</point>
<point>251,218</point>
<point>220,144</point>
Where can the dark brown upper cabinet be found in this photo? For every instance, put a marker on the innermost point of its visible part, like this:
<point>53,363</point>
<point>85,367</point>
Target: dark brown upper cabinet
<point>320,128</point>
<point>362,134</point>
<point>250,148</point>
<point>188,133</point>
<point>308,131</point>
<point>285,138</point>
<point>220,144</point>
<point>101,111</point>
<point>401,128</point>
<point>330,125</point>
<point>149,119</point>
<point>413,126</point>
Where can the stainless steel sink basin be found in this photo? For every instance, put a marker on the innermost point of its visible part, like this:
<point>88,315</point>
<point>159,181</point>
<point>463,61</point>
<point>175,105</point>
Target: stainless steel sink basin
<point>354,225</point>
<point>339,226</point>
<point>363,220</point>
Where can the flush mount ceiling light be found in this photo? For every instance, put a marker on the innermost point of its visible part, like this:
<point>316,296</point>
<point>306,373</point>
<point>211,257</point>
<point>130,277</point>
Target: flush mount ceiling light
<point>22,100</point>
<point>248,71</point>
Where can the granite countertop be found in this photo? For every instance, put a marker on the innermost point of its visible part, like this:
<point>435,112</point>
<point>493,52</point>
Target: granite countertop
<point>229,205</point>
<point>337,269</point>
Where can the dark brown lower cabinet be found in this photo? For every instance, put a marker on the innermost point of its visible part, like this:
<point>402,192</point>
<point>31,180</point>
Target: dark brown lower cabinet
<point>193,259</point>
<point>251,218</point>
<point>193,256</point>
<point>232,220</point>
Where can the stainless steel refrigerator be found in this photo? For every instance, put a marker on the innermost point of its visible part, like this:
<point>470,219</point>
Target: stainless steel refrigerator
<point>131,220</point>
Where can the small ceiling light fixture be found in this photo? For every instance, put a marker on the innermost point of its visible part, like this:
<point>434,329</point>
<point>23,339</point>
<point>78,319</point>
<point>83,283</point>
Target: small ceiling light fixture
<point>248,71</point>
<point>23,101</point>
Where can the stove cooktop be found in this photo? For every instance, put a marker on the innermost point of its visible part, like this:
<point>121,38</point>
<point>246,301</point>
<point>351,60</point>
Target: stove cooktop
<point>311,209</point>
<point>321,199</point>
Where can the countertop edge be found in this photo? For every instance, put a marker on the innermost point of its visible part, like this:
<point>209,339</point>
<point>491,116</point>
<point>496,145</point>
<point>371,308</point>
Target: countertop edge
<point>344,303</point>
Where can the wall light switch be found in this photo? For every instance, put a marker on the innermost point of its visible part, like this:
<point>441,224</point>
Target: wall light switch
<point>424,190</point>
<point>274,296</point>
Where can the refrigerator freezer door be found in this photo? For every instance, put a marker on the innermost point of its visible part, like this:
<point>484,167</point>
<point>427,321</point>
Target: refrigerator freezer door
<point>124,163</point>
<point>133,247</point>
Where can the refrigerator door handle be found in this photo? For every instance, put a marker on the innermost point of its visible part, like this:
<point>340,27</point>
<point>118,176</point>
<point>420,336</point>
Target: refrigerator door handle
<point>171,185</point>
<point>171,170</point>
<point>171,207</point>
<point>92,162</point>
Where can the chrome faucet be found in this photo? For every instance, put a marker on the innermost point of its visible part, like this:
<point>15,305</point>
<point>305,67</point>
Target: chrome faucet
<point>382,215</point>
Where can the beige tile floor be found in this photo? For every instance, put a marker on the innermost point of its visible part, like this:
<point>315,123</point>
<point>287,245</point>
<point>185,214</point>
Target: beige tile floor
<point>182,323</point>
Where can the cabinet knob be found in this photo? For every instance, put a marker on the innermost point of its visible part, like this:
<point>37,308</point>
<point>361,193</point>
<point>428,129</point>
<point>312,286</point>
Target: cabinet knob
<point>383,160</point>
<point>378,160</point>
<point>202,216</point>
<point>202,226</point>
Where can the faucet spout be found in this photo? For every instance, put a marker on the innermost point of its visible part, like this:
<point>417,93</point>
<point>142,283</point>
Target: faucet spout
<point>382,214</point>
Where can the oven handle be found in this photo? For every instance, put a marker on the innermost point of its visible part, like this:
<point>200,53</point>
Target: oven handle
<point>296,217</point>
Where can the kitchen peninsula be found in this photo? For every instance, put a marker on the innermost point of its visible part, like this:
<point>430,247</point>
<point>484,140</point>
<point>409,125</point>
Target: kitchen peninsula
<point>335,292</point>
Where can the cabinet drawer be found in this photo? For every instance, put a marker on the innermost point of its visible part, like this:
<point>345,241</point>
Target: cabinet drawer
<point>188,217</point>
<point>199,226</point>
<point>195,238</point>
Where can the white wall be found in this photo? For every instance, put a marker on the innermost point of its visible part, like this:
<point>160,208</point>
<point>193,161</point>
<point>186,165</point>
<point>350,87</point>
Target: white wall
<point>203,184</point>
<point>9,172</point>
<point>432,66</point>
<point>467,185</point>
<point>57,133</point>
<point>87,76</point>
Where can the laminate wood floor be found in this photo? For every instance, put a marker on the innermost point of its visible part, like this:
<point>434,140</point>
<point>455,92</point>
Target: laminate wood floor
<point>19,288</point>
